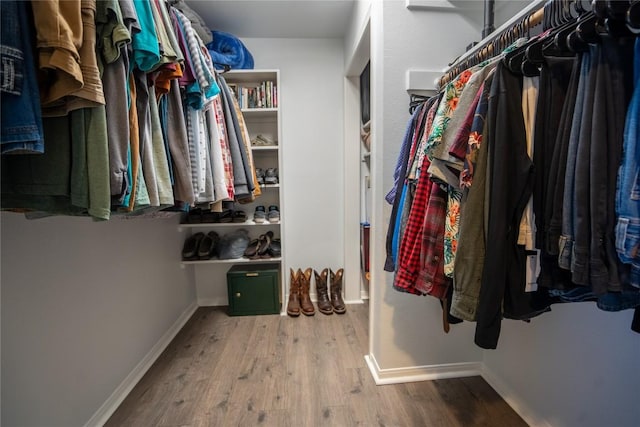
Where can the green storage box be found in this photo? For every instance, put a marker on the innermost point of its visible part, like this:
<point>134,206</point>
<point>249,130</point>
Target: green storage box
<point>253,289</point>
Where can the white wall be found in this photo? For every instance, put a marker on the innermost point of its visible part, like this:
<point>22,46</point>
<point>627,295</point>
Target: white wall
<point>575,366</point>
<point>505,10</point>
<point>356,42</point>
<point>82,304</point>
<point>311,80</point>
<point>357,53</point>
<point>406,330</point>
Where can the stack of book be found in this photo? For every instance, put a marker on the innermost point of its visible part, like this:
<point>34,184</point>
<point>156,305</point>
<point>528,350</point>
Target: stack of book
<point>264,95</point>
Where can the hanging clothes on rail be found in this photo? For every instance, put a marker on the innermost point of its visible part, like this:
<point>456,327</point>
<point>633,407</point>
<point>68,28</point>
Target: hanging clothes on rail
<point>136,116</point>
<point>467,275</point>
<point>533,153</point>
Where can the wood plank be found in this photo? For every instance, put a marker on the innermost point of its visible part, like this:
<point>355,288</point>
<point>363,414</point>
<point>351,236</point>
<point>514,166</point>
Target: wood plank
<point>282,371</point>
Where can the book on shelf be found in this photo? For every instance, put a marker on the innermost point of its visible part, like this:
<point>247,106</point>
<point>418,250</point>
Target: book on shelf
<point>262,95</point>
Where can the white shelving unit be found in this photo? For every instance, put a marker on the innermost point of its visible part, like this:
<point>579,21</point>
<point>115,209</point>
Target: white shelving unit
<point>210,275</point>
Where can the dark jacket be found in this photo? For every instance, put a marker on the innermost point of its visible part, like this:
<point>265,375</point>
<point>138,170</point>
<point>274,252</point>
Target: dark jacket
<point>511,178</point>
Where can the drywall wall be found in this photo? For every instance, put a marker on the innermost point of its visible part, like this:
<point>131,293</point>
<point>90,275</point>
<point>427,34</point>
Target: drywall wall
<point>311,94</point>
<point>406,330</point>
<point>574,366</point>
<point>356,40</point>
<point>83,303</point>
<point>357,54</point>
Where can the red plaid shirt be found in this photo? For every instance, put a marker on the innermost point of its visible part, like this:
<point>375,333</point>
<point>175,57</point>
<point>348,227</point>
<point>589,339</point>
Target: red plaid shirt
<point>411,244</point>
<point>431,278</point>
<point>412,275</point>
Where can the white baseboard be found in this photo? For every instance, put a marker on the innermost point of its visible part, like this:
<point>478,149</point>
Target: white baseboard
<point>354,301</point>
<point>421,373</point>
<point>512,399</point>
<point>213,302</point>
<point>101,416</point>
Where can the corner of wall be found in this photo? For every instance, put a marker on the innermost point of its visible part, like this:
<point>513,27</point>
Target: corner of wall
<point>421,373</point>
<point>101,416</point>
<point>513,399</point>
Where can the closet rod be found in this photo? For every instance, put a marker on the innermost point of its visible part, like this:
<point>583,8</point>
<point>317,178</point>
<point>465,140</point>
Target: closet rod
<point>534,9</point>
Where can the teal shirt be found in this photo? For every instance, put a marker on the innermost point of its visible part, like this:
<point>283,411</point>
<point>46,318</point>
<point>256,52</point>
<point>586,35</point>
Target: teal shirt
<point>146,51</point>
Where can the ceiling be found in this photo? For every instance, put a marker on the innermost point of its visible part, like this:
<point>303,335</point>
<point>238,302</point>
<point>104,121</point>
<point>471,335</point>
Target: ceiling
<point>276,19</point>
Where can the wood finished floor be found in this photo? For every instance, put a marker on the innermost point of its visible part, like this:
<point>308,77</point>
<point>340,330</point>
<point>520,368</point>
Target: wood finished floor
<point>282,371</point>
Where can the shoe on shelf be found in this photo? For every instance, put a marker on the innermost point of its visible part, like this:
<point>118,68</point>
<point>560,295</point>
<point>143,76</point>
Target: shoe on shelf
<point>252,249</point>
<point>260,176</point>
<point>209,216</point>
<point>239,216</point>
<point>275,248</point>
<point>265,242</point>
<point>208,245</point>
<point>271,176</point>
<point>260,215</point>
<point>225,216</point>
<point>194,216</point>
<point>261,141</point>
<point>274,214</point>
<point>191,246</point>
<point>215,239</point>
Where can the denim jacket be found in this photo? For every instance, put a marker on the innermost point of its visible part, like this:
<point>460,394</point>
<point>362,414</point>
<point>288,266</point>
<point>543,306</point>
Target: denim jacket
<point>628,192</point>
<point>21,116</point>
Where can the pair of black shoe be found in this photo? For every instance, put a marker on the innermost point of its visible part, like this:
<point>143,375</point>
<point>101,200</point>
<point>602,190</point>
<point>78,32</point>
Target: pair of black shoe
<point>265,246</point>
<point>197,215</point>
<point>200,246</point>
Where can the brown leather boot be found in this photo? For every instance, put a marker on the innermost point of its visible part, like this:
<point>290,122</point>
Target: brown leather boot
<point>293,306</point>
<point>336,291</point>
<point>322,292</point>
<point>304,278</point>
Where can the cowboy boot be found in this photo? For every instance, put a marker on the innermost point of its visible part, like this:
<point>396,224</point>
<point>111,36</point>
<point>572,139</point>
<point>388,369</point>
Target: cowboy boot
<point>336,291</point>
<point>322,292</point>
<point>293,306</point>
<point>304,280</point>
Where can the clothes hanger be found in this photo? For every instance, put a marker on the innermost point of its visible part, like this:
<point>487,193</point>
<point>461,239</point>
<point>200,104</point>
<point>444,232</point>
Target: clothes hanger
<point>571,14</point>
<point>632,17</point>
<point>528,68</point>
<point>552,22</point>
<point>617,28</point>
<point>617,9</point>
<point>589,29</point>
<point>415,101</point>
<point>613,14</point>
<point>574,42</point>
<point>599,7</point>
<point>566,37</point>
<point>225,67</point>
<point>513,60</point>
<point>580,6</point>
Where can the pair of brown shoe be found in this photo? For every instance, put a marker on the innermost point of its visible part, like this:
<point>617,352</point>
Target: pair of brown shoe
<point>300,284</point>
